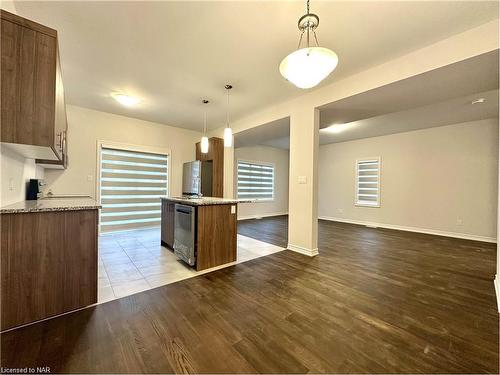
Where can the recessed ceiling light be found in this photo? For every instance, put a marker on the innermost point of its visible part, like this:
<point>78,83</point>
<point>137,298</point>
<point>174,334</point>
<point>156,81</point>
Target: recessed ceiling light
<point>336,128</point>
<point>126,100</point>
<point>477,101</point>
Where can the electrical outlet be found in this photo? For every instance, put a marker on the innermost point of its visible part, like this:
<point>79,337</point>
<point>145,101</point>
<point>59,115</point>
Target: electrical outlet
<point>340,210</point>
<point>11,184</point>
<point>89,178</point>
<point>302,179</point>
<point>459,221</point>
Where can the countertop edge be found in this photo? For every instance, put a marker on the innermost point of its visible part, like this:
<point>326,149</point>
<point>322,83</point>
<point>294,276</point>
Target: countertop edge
<point>47,209</point>
<point>51,205</point>
<point>198,202</point>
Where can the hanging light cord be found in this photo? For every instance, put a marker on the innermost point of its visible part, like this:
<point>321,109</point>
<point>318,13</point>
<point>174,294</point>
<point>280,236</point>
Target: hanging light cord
<point>227,113</point>
<point>205,122</point>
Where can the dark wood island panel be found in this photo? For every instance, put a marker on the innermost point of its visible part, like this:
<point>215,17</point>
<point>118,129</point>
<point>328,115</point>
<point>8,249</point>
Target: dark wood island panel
<point>48,263</point>
<point>217,233</point>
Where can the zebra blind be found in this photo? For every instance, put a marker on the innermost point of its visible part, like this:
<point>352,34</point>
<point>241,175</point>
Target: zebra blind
<point>131,186</point>
<point>255,180</point>
<point>368,182</point>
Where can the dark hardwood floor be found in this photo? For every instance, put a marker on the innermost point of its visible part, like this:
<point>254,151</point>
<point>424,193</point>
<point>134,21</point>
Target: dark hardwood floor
<point>373,300</point>
<point>272,230</point>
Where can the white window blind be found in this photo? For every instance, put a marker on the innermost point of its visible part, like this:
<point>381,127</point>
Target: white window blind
<point>255,180</point>
<point>368,182</point>
<point>131,186</point>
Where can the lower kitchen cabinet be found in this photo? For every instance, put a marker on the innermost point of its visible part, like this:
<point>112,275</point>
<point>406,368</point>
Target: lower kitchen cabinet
<point>48,264</point>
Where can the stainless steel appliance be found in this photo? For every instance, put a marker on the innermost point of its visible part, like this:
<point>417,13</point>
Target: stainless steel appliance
<point>197,178</point>
<point>185,233</point>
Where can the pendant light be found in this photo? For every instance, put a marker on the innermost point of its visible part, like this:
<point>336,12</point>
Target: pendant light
<point>204,139</point>
<point>228,133</point>
<point>307,67</point>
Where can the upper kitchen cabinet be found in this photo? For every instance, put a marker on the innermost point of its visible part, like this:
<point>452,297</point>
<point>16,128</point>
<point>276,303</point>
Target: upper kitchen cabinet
<point>32,104</point>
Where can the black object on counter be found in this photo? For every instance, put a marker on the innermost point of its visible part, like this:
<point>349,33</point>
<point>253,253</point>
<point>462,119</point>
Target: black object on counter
<point>33,190</point>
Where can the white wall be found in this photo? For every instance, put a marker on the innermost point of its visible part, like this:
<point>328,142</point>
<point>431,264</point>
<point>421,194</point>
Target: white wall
<point>430,179</point>
<point>280,159</point>
<point>16,172</point>
<point>86,127</point>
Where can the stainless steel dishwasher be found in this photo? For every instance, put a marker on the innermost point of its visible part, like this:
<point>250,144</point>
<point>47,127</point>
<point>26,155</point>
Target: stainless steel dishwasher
<point>185,233</point>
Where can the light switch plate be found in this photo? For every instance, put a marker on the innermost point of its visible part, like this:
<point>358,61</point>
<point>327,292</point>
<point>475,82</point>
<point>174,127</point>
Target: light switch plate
<point>233,209</point>
<point>302,179</point>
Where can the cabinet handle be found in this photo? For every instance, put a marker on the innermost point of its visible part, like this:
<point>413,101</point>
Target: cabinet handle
<point>59,137</point>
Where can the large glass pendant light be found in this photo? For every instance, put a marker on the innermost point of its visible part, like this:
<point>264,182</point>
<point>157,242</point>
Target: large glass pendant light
<point>204,139</point>
<point>306,67</point>
<point>228,133</point>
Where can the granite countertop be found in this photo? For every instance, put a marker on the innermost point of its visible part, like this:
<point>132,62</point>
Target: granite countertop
<point>204,201</point>
<point>53,204</point>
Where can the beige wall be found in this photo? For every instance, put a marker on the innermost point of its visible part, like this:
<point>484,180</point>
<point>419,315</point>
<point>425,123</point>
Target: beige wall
<point>280,159</point>
<point>87,126</point>
<point>456,48</point>
<point>439,179</point>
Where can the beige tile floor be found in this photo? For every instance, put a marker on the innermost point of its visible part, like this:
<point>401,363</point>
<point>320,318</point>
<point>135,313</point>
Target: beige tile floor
<point>134,261</point>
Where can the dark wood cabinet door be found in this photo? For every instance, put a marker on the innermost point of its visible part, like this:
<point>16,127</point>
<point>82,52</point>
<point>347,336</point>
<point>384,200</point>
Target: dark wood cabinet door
<point>48,263</point>
<point>32,95</point>
<point>28,85</point>
<point>217,235</point>
<point>44,92</point>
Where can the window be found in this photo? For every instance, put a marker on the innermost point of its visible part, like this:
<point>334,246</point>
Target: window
<point>368,182</point>
<point>255,180</point>
<point>131,185</point>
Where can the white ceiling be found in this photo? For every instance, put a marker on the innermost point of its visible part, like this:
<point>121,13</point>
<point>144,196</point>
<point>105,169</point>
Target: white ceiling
<point>464,78</point>
<point>447,112</point>
<point>173,54</point>
<point>436,98</point>
<point>274,134</point>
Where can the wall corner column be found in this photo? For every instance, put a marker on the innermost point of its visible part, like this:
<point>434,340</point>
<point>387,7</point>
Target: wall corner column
<point>303,181</point>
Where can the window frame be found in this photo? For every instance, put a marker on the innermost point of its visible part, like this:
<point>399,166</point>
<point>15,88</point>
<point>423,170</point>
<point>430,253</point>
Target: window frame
<point>263,163</point>
<point>357,203</point>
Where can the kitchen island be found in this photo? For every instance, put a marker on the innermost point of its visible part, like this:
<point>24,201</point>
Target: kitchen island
<point>204,233</point>
<point>48,258</point>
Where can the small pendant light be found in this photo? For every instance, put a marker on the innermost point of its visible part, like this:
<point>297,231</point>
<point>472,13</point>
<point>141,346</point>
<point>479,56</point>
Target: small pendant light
<point>204,139</point>
<point>228,133</point>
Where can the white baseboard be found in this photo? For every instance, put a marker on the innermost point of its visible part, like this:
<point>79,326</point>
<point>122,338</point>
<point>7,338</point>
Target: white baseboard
<point>496,282</point>
<point>303,250</point>
<point>413,229</point>
<point>262,215</point>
